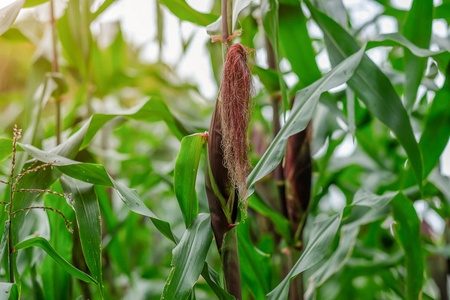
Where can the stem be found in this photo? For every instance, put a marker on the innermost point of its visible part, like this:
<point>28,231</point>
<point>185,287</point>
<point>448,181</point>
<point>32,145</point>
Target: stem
<point>225,32</point>
<point>278,173</point>
<point>10,243</point>
<point>55,68</point>
<point>230,264</point>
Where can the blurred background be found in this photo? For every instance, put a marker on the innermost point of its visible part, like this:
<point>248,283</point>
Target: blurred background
<point>136,49</point>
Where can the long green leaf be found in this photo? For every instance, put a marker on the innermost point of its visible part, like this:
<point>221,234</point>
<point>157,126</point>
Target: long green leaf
<point>188,258</point>
<point>255,265</point>
<point>304,106</point>
<point>417,29</point>
<point>322,236</point>
<point>281,224</point>
<point>372,87</point>
<point>437,127</point>
<point>296,43</point>
<point>45,245</point>
<point>186,13</point>
<point>213,280</point>
<point>92,173</point>
<point>185,175</point>
<point>269,15</point>
<point>396,39</point>
<point>54,278</point>
<point>365,208</point>
<point>151,111</point>
<point>407,231</point>
<point>84,202</point>
<point>5,149</point>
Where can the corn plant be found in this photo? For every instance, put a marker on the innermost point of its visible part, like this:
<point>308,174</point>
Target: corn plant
<point>317,170</point>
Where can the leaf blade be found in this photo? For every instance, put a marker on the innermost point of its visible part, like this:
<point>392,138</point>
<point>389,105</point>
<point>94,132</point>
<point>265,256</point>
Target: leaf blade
<point>45,245</point>
<point>188,258</point>
<point>185,174</point>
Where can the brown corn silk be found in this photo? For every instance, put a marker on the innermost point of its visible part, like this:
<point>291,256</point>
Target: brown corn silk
<point>234,104</point>
<point>228,145</point>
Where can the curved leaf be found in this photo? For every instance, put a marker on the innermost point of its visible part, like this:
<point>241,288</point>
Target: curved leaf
<point>322,235</point>
<point>301,113</point>
<point>417,29</point>
<point>188,258</point>
<point>91,173</point>
<point>213,280</point>
<point>372,87</point>
<point>407,231</point>
<point>396,39</point>
<point>270,19</point>
<point>296,43</point>
<point>437,127</point>
<point>186,13</point>
<point>84,202</point>
<point>185,175</point>
<point>255,266</point>
<point>45,245</point>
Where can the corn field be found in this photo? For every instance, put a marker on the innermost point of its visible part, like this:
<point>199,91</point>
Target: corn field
<point>225,149</point>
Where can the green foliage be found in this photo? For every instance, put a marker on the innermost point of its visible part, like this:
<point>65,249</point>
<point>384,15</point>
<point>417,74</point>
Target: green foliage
<point>185,175</point>
<point>128,172</point>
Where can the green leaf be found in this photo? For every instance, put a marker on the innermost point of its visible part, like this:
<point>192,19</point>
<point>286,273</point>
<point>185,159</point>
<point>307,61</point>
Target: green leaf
<point>322,235</point>
<point>102,8</point>
<point>92,173</point>
<point>45,245</point>
<point>31,3</point>
<point>364,209</point>
<point>4,241</point>
<point>296,43</point>
<point>372,87</point>
<point>84,202</point>
<point>255,266</point>
<point>185,175</point>
<point>186,13</point>
<point>437,127</point>
<point>269,78</point>
<point>6,147</point>
<point>215,29</point>
<point>417,29</point>
<point>188,258</point>
<point>151,111</point>
<point>269,15</point>
<point>8,14</point>
<point>213,280</point>
<point>55,280</point>
<point>73,168</point>
<point>301,113</point>
<point>396,39</point>
<point>334,263</point>
<point>281,224</point>
<point>407,231</point>
<point>134,203</point>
